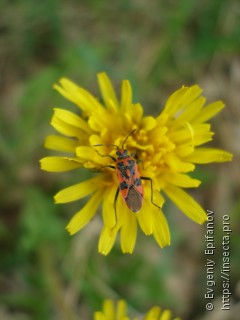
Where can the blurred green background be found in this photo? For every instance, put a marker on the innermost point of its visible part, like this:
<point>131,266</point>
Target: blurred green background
<point>158,46</point>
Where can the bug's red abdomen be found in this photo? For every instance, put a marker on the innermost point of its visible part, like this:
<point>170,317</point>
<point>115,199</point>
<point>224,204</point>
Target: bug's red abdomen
<point>130,184</point>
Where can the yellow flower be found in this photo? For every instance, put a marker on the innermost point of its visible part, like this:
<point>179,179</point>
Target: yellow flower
<point>110,312</point>
<point>168,146</point>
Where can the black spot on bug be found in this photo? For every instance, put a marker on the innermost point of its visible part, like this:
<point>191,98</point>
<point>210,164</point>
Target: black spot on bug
<point>131,162</point>
<point>137,182</point>
<point>123,185</point>
<point>120,164</point>
<point>123,171</point>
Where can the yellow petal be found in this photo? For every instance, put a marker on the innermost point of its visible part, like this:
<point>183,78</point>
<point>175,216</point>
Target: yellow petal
<point>106,240</point>
<point>107,91</point>
<point>126,98</point>
<point>186,204</point>
<point>65,128</point>
<point>157,197</point>
<point>98,315</point>
<point>162,119</point>
<point>71,119</point>
<point>134,113</point>
<point>85,152</point>
<point>174,102</point>
<point>190,111</point>
<point>90,103</point>
<point>180,180</point>
<point>68,90</point>
<point>108,309</point>
<point>128,232</point>
<point>148,123</point>
<point>59,143</point>
<point>209,111</point>
<point>137,112</point>
<point>103,122</point>
<point>59,164</point>
<point>181,98</point>
<point>90,154</point>
<point>201,133</point>
<point>145,218</point>
<point>160,133</point>
<point>78,95</point>
<point>208,155</point>
<point>181,136</point>
<point>184,150</point>
<point>108,211</point>
<point>166,315</point>
<point>160,228</point>
<point>177,165</point>
<point>153,314</point>
<point>82,217</point>
<point>204,138</point>
<point>79,191</point>
<point>192,93</point>
<point>121,310</point>
<point>194,134</point>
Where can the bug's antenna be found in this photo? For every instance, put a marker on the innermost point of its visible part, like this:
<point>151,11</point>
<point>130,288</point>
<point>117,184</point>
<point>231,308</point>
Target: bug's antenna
<point>127,138</point>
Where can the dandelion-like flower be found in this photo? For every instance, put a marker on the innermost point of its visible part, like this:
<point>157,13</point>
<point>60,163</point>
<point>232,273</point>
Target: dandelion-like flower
<point>168,146</point>
<point>119,312</point>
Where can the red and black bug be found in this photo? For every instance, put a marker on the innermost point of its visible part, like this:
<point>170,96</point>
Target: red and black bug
<point>130,184</point>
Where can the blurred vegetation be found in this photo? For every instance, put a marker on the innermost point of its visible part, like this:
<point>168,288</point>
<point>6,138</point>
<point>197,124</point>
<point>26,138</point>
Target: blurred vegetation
<point>159,46</point>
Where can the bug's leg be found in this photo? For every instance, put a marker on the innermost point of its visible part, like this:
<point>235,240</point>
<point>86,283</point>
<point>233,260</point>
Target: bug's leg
<point>106,155</point>
<point>107,166</point>
<point>115,207</point>
<point>133,154</point>
<point>98,169</point>
<point>149,179</point>
<point>138,161</point>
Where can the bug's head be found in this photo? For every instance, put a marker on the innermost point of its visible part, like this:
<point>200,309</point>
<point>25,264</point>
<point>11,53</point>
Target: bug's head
<point>122,152</point>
